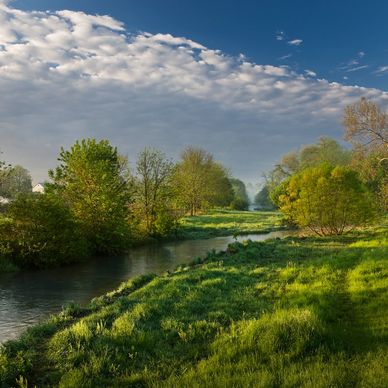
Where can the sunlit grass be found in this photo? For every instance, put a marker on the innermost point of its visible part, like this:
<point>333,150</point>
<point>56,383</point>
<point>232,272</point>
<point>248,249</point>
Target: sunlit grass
<point>296,312</point>
<point>223,222</point>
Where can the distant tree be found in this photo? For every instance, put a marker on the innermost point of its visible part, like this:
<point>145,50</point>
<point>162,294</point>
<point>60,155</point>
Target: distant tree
<point>4,171</point>
<point>327,200</point>
<point>220,189</point>
<point>263,200</point>
<point>366,124</point>
<point>240,196</point>
<point>154,189</point>
<point>326,150</point>
<point>17,180</point>
<point>201,182</point>
<point>93,180</point>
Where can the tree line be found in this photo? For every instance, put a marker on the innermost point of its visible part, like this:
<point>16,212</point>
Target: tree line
<point>94,203</point>
<point>330,189</point>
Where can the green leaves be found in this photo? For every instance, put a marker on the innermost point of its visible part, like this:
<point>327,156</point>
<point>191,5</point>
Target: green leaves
<point>92,181</point>
<point>327,200</point>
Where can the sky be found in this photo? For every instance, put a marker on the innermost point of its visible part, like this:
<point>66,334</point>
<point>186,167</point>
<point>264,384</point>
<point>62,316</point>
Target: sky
<point>247,80</point>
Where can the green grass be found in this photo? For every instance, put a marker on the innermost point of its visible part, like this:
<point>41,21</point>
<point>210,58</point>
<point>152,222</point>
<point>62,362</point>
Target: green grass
<point>228,222</point>
<point>309,312</point>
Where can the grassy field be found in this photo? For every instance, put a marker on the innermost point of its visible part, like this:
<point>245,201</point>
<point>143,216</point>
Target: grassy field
<point>309,312</point>
<point>229,222</point>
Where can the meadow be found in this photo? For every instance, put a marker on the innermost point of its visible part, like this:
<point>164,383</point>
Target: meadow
<point>301,311</point>
<point>229,222</point>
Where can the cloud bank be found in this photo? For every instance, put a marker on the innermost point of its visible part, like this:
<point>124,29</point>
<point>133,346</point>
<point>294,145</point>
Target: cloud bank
<point>67,75</point>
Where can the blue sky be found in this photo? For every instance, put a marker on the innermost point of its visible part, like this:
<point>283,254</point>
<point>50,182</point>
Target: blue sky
<point>343,41</point>
<point>247,80</point>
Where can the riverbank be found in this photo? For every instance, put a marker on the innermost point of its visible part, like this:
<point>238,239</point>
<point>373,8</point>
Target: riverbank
<point>215,223</point>
<point>298,311</point>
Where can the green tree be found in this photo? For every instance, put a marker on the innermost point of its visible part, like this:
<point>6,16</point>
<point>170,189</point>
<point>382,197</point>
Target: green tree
<point>154,190</point>
<point>93,180</point>
<point>326,150</point>
<point>263,200</point>
<point>4,171</point>
<point>200,182</point>
<point>327,200</point>
<point>240,196</point>
<point>17,180</point>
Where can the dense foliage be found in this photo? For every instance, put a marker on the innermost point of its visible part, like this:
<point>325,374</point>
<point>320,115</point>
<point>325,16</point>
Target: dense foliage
<point>326,199</point>
<point>92,181</point>
<point>241,199</point>
<point>263,200</point>
<point>110,206</point>
<point>366,126</point>
<point>296,312</point>
<point>155,205</point>
<point>201,182</point>
<point>40,231</point>
<point>16,181</point>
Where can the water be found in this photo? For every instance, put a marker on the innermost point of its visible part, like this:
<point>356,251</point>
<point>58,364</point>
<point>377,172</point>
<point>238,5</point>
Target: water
<point>29,297</point>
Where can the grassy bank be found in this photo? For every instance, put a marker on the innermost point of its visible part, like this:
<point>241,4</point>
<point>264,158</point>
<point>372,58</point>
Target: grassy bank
<point>295,312</point>
<point>229,222</point>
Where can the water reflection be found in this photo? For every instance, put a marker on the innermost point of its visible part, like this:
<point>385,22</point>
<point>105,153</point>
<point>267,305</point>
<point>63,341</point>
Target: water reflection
<point>28,297</point>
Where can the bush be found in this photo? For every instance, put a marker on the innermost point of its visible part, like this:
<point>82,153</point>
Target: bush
<point>326,199</point>
<point>40,232</point>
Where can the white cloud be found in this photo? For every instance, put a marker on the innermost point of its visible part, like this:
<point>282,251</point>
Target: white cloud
<point>285,57</point>
<point>357,68</point>
<point>310,73</point>
<point>381,70</point>
<point>67,75</point>
<point>295,42</point>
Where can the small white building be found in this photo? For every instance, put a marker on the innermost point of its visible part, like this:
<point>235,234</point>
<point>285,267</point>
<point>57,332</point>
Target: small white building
<point>38,188</point>
<point>3,200</point>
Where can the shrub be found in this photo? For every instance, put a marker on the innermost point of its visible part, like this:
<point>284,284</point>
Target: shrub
<point>41,232</point>
<point>328,200</point>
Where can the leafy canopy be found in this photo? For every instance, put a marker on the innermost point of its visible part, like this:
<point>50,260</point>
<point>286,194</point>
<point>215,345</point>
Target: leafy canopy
<point>92,179</point>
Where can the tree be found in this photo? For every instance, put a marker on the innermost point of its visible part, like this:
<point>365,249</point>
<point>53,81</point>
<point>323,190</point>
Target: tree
<point>4,171</point>
<point>327,200</point>
<point>240,198</point>
<point>263,200</point>
<point>93,180</point>
<point>153,188</point>
<point>17,180</point>
<point>200,182</point>
<point>326,150</point>
<point>366,126</point>
<point>220,189</point>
